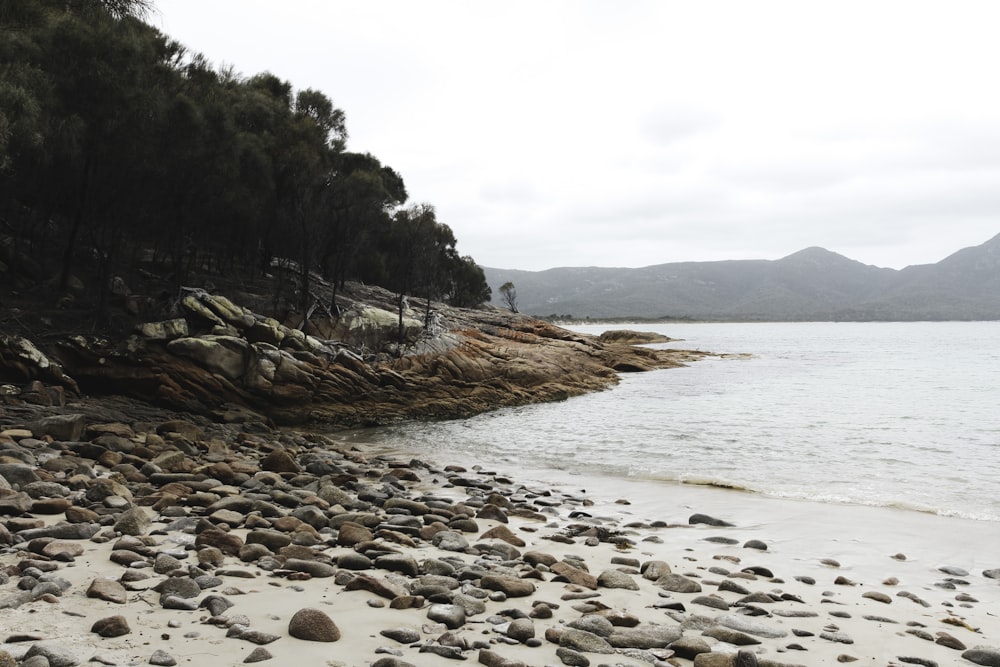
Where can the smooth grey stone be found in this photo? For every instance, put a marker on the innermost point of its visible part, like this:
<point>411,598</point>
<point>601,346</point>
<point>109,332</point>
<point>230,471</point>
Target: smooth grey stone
<point>750,626</point>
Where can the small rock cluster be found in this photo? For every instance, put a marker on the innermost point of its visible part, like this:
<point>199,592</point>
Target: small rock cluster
<point>193,519</point>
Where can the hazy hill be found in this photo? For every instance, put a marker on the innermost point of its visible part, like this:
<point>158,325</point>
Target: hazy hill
<point>812,284</point>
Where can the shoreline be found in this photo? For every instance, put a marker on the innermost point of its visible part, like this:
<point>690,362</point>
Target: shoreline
<point>234,532</point>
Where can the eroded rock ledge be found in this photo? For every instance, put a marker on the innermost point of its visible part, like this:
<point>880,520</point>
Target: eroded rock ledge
<point>219,359</point>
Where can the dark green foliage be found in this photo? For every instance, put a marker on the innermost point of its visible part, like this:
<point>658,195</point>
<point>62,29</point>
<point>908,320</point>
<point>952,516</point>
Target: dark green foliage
<point>128,153</point>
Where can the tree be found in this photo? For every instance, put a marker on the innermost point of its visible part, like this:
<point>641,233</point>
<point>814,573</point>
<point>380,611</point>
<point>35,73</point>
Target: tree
<point>508,293</point>
<point>467,287</point>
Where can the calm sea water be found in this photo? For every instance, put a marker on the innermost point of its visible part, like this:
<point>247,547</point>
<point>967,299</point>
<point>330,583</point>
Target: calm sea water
<point>887,414</point>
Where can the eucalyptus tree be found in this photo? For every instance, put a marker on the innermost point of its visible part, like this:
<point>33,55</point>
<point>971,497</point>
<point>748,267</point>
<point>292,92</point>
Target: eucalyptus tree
<point>360,199</point>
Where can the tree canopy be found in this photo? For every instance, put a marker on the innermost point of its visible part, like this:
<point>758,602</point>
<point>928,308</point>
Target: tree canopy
<point>124,150</point>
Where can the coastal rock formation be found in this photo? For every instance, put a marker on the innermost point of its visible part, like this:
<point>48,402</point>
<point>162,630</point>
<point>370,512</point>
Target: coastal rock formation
<point>220,359</point>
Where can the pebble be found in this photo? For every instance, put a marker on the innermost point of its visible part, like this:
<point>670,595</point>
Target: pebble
<point>162,658</point>
<point>356,518</point>
<point>988,657</point>
<point>401,635</point>
<point>259,654</point>
<point>313,625</point>
<point>751,627</point>
<point>112,626</point>
<point>56,654</point>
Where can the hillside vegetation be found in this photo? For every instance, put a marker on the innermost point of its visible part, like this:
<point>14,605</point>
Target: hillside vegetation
<point>126,160</point>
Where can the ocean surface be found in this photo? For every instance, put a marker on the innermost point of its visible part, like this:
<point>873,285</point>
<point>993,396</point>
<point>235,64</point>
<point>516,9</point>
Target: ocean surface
<point>895,415</point>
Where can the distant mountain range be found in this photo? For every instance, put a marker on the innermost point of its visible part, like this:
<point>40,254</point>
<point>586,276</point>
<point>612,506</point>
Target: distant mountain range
<point>810,285</point>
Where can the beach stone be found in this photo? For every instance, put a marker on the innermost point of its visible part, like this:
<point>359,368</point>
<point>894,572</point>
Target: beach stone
<point>314,568</point>
<point>108,590</point>
<point>536,558</point>
<point>750,626</point>
<point>182,587</point>
<point>616,579</point>
<point>240,631</point>
<point>16,504</point>
<point>646,636</point>
<point>755,544</point>
<point>252,553</point>
<point>272,539</point>
<point>51,506</point>
<point>215,604</point>
<point>162,658</point>
<point>259,654</point>
<point>472,605</point>
<point>68,427</point>
<point>988,657</point>
<point>112,626</point>
<point>689,647</point>
<point>574,575</point>
<point>877,596</point>
<point>571,657</point>
<point>227,543</point>
<point>57,654</point>
<point>402,563</point>
<point>715,660</point>
<point>493,659</point>
<point>313,625</point>
<point>730,636</point>
<point>949,641</point>
<point>521,629</point>
<point>352,560</point>
<point>62,549</point>
<point>992,574</point>
<point>178,602</point>
<point>450,652</point>
<point>654,569</point>
<point>678,583</point>
<point>492,512</point>
<point>402,635</point>
<point>165,563</point>
<point>452,615</point>
<point>708,521</point>
<point>449,540</point>
<point>279,460</point>
<point>910,660</point>
<point>390,661</point>
<point>509,586</point>
<point>954,571</point>
<point>77,514</point>
<point>18,475</point>
<point>593,623</point>
<point>733,587</point>
<point>503,533</point>
<point>619,618</point>
<point>837,637</point>
<point>585,642</point>
<point>711,601</point>
<point>377,585</point>
<point>351,533</point>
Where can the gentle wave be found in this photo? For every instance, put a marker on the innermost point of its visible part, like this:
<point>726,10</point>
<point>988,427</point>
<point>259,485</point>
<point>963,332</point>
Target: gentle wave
<point>883,415</point>
<point>822,498</point>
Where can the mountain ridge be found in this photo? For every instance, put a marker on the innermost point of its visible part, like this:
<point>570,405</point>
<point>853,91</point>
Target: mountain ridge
<point>812,284</point>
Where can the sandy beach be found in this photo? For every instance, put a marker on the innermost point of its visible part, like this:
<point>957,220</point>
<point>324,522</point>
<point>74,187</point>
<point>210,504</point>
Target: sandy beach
<point>416,563</point>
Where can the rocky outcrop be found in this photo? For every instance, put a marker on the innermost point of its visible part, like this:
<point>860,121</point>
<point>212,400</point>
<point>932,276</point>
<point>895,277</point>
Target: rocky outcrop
<point>222,360</point>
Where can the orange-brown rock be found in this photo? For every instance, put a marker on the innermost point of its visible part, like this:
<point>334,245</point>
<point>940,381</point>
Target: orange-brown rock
<point>347,371</point>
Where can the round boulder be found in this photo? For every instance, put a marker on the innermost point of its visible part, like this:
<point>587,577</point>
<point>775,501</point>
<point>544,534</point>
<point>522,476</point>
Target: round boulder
<point>313,625</point>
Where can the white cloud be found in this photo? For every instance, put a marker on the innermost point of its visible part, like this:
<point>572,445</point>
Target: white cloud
<point>593,133</point>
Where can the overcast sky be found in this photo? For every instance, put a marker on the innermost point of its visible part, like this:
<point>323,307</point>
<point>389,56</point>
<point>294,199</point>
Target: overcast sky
<point>631,132</point>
